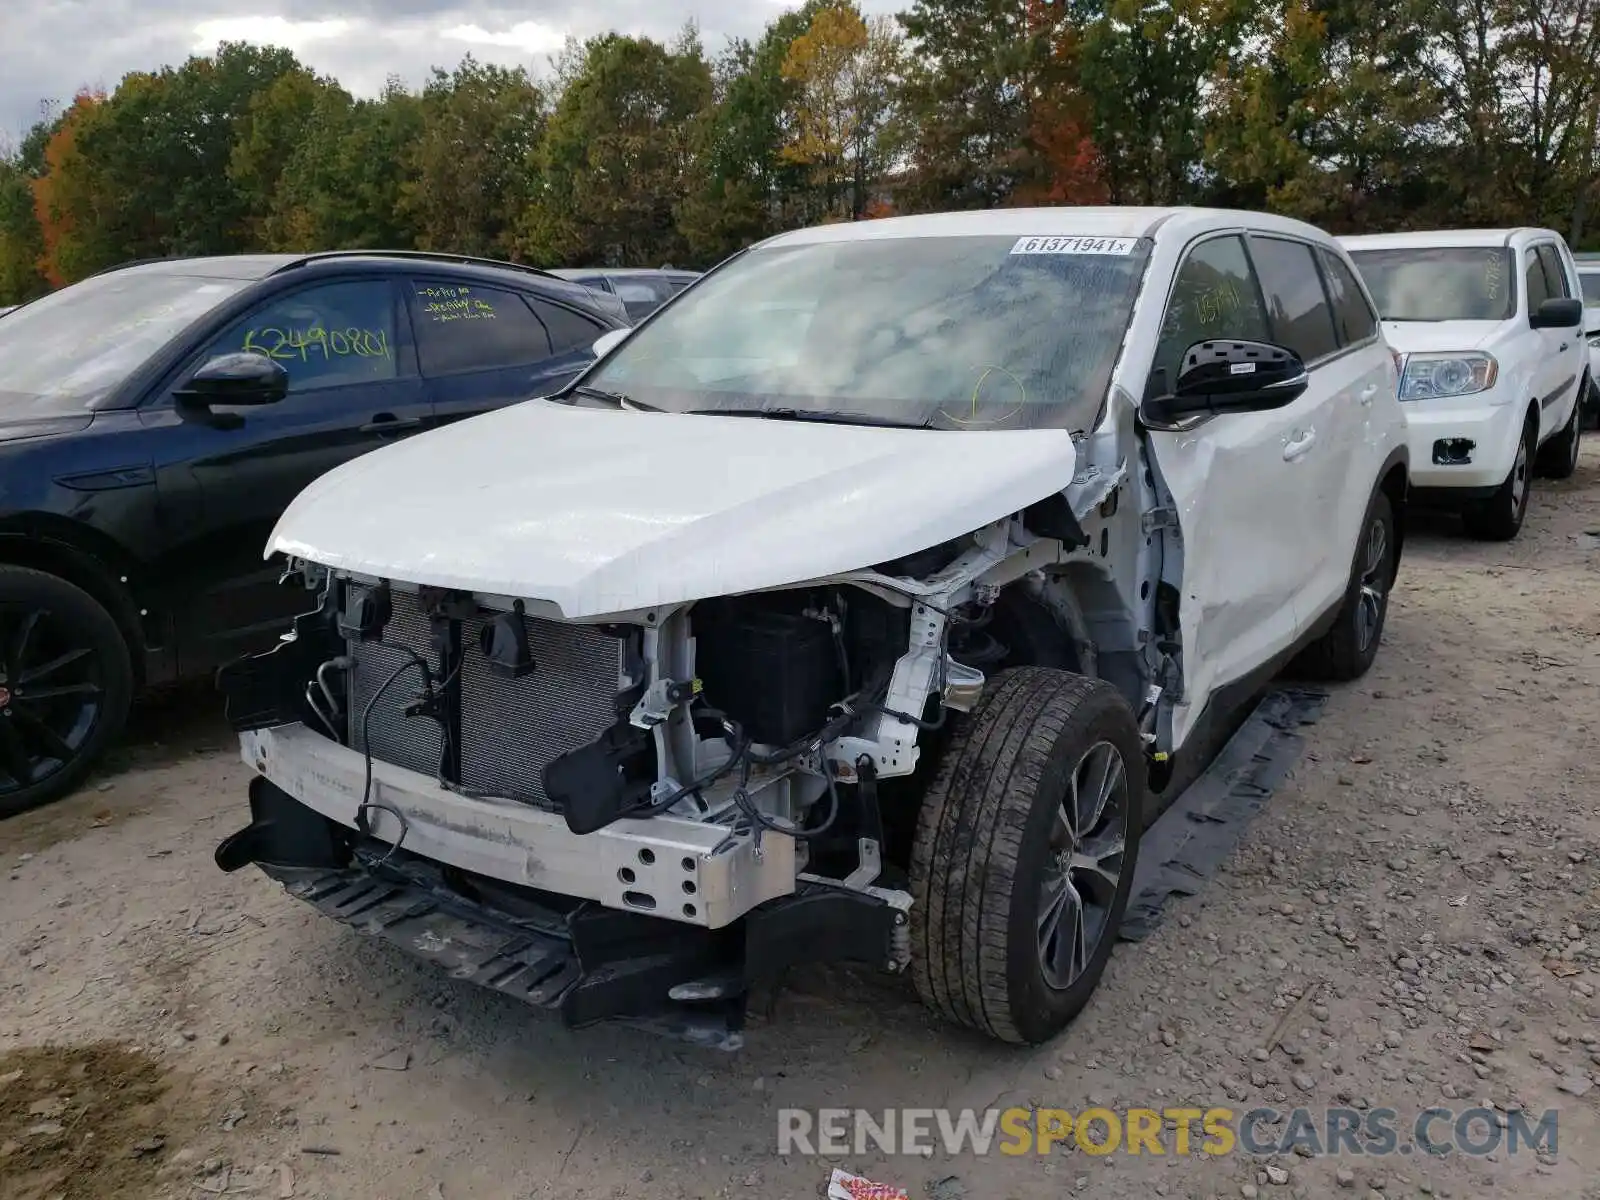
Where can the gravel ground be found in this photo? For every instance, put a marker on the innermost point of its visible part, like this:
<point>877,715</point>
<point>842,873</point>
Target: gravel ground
<point>1412,922</point>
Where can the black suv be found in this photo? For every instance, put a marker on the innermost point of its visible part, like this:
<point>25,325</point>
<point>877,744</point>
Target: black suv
<point>155,421</point>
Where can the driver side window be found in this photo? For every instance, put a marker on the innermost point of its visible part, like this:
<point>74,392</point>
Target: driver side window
<point>1534,280</point>
<point>1215,295</point>
<point>324,336</point>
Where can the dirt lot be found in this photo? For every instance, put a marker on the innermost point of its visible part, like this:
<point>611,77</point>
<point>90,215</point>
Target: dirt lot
<point>1414,921</point>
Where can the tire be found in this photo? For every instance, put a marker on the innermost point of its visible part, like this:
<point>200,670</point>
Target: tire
<point>66,681</point>
<point>1348,649</point>
<point>990,841</point>
<point>1591,405</point>
<point>1558,459</point>
<point>1499,518</point>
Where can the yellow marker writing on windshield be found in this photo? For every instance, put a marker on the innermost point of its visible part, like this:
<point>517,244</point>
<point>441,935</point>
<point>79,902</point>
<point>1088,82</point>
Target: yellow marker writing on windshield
<point>977,390</point>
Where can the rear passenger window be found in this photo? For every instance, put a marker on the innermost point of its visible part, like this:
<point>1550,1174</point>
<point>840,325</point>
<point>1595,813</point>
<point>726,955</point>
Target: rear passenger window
<point>465,327</point>
<point>1538,286</point>
<point>637,291</point>
<point>1353,317</point>
<point>1555,274</point>
<point>568,330</point>
<point>1301,317</point>
<point>1213,296</point>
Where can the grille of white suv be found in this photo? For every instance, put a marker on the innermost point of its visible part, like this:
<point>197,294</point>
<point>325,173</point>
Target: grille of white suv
<point>510,728</point>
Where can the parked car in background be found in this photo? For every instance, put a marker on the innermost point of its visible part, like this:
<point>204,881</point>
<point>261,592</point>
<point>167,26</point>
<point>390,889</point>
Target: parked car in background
<point>640,292</point>
<point>837,612</point>
<point>1495,366</point>
<point>156,419</point>
<point>1589,281</point>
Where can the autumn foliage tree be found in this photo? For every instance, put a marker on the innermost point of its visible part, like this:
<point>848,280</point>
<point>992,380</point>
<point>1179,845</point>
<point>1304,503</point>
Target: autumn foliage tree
<point>617,161</point>
<point>468,168</point>
<point>65,196</point>
<point>844,70</point>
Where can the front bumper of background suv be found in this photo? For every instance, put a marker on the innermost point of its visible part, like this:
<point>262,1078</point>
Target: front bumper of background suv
<point>1464,445</point>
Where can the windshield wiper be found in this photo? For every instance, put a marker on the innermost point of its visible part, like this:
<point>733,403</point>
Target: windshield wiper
<point>811,414</point>
<point>617,398</point>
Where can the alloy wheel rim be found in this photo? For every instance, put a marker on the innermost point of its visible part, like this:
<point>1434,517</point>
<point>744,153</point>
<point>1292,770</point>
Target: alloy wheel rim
<point>1088,846</point>
<point>1374,584</point>
<point>52,694</point>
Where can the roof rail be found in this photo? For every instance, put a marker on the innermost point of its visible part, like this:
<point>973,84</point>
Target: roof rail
<point>423,255</point>
<point>138,262</point>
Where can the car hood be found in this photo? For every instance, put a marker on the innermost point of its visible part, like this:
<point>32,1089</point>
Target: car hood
<point>1424,337</point>
<point>599,511</point>
<point>16,428</point>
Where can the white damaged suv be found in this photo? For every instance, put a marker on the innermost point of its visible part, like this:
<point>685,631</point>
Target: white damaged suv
<point>843,611</point>
<point>1495,369</point>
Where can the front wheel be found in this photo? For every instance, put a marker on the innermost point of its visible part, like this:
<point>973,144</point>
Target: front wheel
<point>1024,854</point>
<point>66,681</point>
<point>1499,518</point>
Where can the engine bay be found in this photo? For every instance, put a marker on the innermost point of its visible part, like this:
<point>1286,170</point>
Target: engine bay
<point>794,717</point>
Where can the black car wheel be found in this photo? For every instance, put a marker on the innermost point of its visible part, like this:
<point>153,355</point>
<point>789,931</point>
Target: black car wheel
<point>1025,852</point>
<point>66,681</point>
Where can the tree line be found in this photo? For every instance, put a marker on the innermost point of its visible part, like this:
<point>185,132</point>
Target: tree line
<point>1357,115</point>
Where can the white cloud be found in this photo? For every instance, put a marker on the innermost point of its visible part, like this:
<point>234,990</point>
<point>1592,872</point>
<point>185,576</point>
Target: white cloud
<point>267,31</point>
<point>530,37</point>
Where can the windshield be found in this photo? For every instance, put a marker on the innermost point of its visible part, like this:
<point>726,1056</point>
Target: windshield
<point>1448,283</point>
<point>1591,286</point>
<point>946,332</point>
<point>63,353</point>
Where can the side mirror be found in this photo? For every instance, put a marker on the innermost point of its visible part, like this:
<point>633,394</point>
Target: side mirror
<point>1229,377</point>
<point>245,377</point>
<point>609,340</point>
<point>1561,313</point>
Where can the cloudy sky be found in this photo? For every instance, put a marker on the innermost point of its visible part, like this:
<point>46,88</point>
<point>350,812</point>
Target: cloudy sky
<point>50,48</point>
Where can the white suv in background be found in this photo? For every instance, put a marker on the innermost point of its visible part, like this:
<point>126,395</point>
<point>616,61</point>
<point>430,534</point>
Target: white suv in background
<point>1589,281</point>
<point>1488,322</point>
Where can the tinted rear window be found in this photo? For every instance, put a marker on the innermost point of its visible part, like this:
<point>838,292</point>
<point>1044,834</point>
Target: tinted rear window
<point>1591,286</point>
<point>64,353</point>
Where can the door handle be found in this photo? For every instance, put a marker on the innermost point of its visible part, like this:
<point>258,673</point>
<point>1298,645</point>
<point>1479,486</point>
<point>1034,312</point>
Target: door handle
<point>1299,445</point>
<point>388,423</point>
<point>1563,349</point>
<point>1368,392</point>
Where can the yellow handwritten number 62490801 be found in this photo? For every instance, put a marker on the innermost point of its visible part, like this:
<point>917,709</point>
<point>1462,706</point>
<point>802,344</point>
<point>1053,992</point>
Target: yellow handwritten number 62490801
<point>297,345</point>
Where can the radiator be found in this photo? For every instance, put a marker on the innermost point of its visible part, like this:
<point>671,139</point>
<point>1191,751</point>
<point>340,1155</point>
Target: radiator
<point>510,728</point>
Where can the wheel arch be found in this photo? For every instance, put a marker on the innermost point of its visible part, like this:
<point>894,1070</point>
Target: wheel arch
<point>86,559</point>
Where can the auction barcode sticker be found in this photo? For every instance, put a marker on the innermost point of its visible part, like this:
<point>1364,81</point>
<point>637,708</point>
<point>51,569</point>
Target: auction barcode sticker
<point>1074,245</point>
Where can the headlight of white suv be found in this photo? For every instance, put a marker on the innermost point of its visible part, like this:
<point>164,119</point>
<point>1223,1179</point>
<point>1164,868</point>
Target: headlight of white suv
<point>1429,375</point>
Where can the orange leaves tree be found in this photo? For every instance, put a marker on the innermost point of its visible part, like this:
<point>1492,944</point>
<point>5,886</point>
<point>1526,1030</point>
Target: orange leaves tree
<point>67,196</point>
<point>997,106</point>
